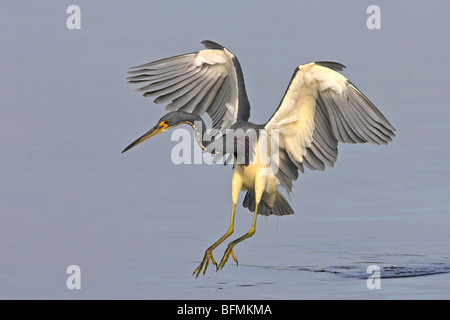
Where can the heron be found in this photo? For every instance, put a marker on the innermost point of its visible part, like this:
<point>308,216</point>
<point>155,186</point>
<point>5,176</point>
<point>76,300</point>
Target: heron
<point>319,109</point>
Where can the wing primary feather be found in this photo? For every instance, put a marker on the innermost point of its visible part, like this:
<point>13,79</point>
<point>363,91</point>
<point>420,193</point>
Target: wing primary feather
<point>330,154</point>
<point>365,110</point>
<point>171,96</point>
<point>324,128</point>
<point>191,91</point>
<point>193,97</point>
<point>220,112</point>
<point>206,101</point>
<point>218,102</point>
<point>152,78</point>
<point>167,62</point>
<point>345,123</point>
<point>334,120</point>
<point>349,119</point>
<point>184,79</point>
<point>344,127</point>
<point>360,124</point>
<point>299,165</point>
<point>358,94</point>
<point>154,73</point>
<point>288,167</point>
<point>313,159</point>
<point>307,164</point>
<point>327,156</point>
<point>175,86</point>
<point>373,134</point>
<point>160,71</point>
<point>379,133</point>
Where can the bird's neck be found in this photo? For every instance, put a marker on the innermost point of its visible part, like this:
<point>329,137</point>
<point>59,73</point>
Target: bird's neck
<point>202,137</point>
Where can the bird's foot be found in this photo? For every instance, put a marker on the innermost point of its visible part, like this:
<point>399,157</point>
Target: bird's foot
<point>226,256</point>
<point>204,264</point>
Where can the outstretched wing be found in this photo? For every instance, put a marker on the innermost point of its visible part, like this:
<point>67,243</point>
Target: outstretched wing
<point>204,81</point>
<point>319,109</point>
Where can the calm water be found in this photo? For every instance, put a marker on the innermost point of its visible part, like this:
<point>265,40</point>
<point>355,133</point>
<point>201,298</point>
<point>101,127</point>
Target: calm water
<point>137,225</point>
<point>137,235</point>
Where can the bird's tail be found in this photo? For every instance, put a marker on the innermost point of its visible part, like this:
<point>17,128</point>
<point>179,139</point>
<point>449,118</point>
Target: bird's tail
<point>280,208</point>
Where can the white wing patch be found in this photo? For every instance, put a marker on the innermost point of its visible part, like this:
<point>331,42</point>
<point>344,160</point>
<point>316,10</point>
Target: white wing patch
<point>295,117</point>
<point>210,57</point>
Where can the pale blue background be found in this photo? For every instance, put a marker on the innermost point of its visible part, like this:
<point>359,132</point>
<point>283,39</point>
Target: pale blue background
<point>137,225</point>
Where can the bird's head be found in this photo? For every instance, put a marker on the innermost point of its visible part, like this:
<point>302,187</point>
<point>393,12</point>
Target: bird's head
<point>167,122</point>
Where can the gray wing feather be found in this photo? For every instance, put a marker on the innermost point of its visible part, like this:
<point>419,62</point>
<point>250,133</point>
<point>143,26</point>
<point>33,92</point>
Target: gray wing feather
<point>185,100</point>
<point>171,85</point>
<point>157,75</point>
<point>167,63</point>
<point>354,119</point>
<point>218,116</point>
<point>198,82</point>
<point>207,100</point>
<point>351,119</point>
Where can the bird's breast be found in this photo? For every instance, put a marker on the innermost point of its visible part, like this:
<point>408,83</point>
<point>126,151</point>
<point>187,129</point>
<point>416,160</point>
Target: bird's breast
<point>256,173</point>
<point>247,174</point>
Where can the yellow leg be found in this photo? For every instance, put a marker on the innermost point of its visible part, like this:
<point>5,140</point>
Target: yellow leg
<point>236,186</point>
<point>231,245</point>
<point>208,253</point>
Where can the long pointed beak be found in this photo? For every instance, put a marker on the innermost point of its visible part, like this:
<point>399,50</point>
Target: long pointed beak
<point>153,131</point>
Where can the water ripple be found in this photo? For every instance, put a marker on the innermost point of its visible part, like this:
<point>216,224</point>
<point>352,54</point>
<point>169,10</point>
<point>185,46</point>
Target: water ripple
<point>359,271</point>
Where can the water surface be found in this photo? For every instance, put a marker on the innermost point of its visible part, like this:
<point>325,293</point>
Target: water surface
<point>137,225</point>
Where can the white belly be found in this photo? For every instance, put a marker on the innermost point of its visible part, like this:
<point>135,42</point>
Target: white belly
<point>257,176</point>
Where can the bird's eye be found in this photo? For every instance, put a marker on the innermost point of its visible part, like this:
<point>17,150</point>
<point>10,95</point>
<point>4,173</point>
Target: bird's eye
<point>166,122</point>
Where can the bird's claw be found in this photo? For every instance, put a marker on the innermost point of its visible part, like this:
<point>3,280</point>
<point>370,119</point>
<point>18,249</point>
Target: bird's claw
<point>226,256</point>
<point>204,264</point>
<point>209,257</point>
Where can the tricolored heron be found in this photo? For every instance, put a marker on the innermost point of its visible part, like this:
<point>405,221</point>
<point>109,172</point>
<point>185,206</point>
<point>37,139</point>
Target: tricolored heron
<point>319,109</point>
